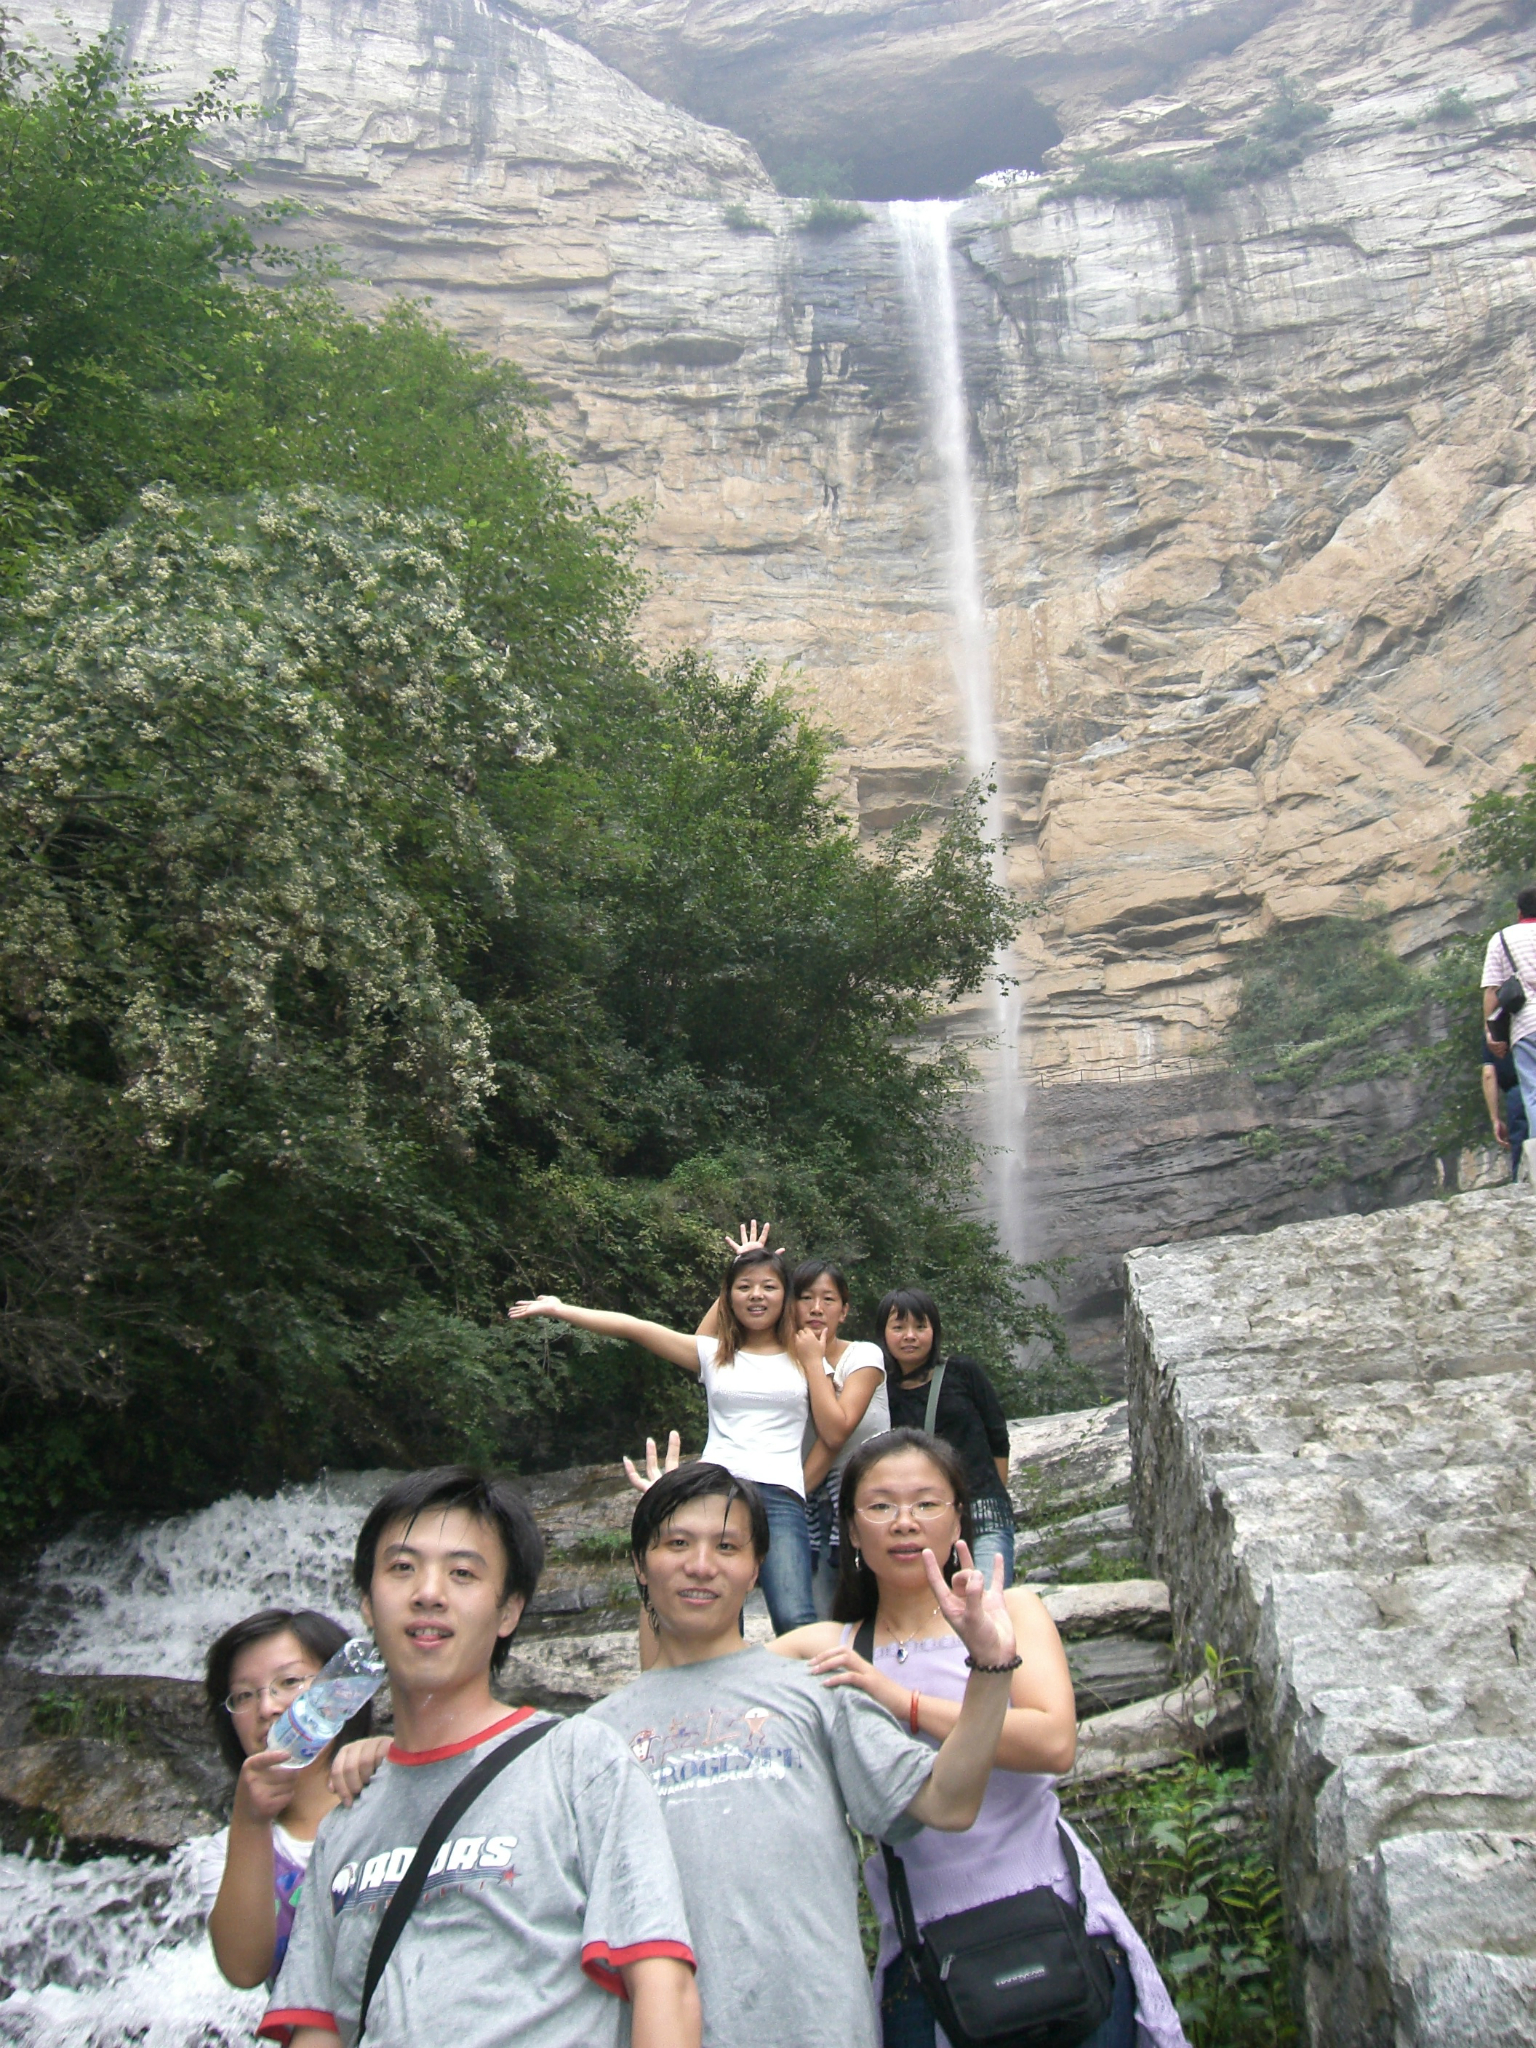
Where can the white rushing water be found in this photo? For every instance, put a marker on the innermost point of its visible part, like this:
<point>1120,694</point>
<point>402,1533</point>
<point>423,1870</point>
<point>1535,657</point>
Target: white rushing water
<point>151,1599</point>
<point>112,1953</point>
<point>922,236</point>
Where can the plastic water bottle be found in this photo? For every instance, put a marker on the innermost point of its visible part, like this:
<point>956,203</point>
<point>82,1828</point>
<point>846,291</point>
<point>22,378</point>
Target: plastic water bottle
<point>327,1704</point>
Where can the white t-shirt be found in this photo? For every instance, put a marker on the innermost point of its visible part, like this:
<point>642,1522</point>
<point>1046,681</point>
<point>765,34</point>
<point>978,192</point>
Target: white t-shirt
<point>758,1406</point>
<point>211,1851</point>
<point>876,1419</point>
<point>1520,940</point>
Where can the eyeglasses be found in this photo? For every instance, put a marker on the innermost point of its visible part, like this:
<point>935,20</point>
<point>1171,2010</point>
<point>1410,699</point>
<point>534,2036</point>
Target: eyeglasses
<point>888,1510</point>
<point>279,1692</point>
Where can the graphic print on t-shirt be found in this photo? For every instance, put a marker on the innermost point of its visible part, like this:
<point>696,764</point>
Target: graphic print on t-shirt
<point>470,1861</point>
<point>715,1747</point>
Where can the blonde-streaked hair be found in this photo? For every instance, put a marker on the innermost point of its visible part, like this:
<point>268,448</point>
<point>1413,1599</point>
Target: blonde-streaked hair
<point>732,1335</point>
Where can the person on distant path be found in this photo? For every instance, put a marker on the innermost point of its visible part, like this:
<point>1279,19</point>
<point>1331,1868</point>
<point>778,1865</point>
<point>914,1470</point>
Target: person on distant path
<point>1511,1128</point>
<point>1512,954</point>
<point>553,1900</point>
<point>763,1379</point>
<point>904,1494</point>
<point>250,1874</point>
<point>967,1415</point>
<point>757,1763</point>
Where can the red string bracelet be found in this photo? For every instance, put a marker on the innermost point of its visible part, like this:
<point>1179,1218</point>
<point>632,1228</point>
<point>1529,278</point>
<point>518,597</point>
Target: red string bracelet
<point>912,1714</point>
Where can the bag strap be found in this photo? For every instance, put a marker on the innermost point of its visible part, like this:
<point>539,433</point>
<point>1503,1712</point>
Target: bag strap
<point>1509,958</point>
<point>408,1891</point>
<point>930,1413</point>
<point>896,1871</point>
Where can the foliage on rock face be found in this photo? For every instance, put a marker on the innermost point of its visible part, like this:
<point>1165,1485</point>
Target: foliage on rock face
<point>1277,142</point>
<point>1320,998</point>
<point>1331,1001</point>
<point>1501,832</point>
<point>383,935</point>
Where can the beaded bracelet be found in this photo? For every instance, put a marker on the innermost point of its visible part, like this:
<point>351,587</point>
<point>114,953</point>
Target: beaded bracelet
<point>1012,1665</point>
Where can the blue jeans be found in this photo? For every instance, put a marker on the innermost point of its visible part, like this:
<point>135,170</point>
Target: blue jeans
<point>785,1573</point>
<point>1524,1051</point>
<point>993,1519</point>
<point>906,2018</point>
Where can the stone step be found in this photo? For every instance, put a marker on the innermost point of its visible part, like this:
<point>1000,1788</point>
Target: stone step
<point>1060,1465</point>
<point>1138,1607</point>
<point>1112,1671</point>
<point>1155,1732</point>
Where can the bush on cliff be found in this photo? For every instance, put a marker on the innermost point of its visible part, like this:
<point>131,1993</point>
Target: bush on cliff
<point>1278,141</point>
<point>385,935</point>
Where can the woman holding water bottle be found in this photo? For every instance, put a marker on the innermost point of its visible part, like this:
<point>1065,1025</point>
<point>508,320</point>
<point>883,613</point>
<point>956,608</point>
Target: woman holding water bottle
<point>250,1873</point>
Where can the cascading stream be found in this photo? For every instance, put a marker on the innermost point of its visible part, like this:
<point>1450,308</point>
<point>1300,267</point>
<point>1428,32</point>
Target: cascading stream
<point>111,1953</point>
<point>922,236</point>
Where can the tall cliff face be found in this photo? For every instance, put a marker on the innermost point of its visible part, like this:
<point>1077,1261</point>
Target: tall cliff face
<point>1253,476</point>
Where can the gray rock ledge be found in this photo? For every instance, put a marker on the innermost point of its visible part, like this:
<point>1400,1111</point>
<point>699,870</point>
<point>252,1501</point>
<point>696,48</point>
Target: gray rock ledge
<point>1333,1428</point>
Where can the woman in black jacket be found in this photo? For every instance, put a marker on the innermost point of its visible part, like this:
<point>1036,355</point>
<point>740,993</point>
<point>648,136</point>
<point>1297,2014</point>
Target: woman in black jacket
<point>967,1414</point>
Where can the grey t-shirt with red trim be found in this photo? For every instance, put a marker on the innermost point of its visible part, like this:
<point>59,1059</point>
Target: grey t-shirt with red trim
<point>757,1763</point>
<point>558,1874</point>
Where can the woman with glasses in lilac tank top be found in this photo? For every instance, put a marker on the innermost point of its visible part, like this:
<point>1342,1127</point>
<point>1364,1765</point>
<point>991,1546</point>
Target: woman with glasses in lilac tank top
<point>902,1494</point>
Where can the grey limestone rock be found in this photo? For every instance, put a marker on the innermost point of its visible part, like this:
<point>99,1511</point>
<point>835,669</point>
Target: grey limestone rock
<point>1332,1427</point>
<point>97,1793</point>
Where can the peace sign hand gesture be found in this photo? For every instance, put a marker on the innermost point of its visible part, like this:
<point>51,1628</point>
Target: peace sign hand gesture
<point>976,1612</point>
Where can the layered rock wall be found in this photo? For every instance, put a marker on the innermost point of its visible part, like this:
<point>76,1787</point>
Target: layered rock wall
<point>1332,1430</point>
<point>1254,475</point>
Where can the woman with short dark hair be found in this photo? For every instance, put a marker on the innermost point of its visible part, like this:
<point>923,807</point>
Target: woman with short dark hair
<point>967,1414</point>
<point>251,1872</point>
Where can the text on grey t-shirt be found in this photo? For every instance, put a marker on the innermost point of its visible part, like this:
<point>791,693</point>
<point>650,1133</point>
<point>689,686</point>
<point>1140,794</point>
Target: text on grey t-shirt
<point>757,1763</point>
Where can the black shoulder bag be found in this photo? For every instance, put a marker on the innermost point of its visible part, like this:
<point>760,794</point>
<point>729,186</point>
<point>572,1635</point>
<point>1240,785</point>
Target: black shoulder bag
<point>408,1891</point>
<point>1510,995</point>
<point>1019,1972</point>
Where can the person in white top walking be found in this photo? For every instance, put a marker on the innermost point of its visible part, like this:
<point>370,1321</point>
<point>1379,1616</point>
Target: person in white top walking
<point>763,1380</point>
<point>1509,970</point>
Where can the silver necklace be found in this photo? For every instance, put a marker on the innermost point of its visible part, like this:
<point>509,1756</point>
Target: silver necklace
<point>903,1644</point>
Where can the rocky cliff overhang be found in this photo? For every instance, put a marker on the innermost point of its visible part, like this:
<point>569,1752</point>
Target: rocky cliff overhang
<point>913,101</point>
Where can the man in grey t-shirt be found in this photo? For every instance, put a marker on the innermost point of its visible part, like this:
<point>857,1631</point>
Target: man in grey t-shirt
<point>757,1763</point>
<point>555,1900</point>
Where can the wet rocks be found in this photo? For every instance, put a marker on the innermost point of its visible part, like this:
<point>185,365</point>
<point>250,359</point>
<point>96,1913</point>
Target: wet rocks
<point>104,1761</point>
<point>96,1795</point>
<point>1333,1429</point>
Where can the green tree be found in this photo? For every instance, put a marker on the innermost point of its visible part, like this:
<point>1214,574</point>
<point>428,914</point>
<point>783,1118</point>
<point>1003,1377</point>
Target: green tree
<point>384,934</point>
<point>119,249</point>
<point>1501,832</point>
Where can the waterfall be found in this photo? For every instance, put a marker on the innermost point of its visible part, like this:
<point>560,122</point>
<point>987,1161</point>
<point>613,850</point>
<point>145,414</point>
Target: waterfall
<point>922,236</point>
<point>111,1954</point>
<point>151,1599</point>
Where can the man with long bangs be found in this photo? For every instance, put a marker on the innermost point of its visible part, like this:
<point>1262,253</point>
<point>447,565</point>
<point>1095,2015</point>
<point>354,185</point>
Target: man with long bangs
<point>757,1762</point>
<point>553,1916</point>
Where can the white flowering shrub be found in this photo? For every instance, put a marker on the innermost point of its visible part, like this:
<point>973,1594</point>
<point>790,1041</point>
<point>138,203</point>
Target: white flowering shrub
<point>244,858</point>
<point>242,749</point>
